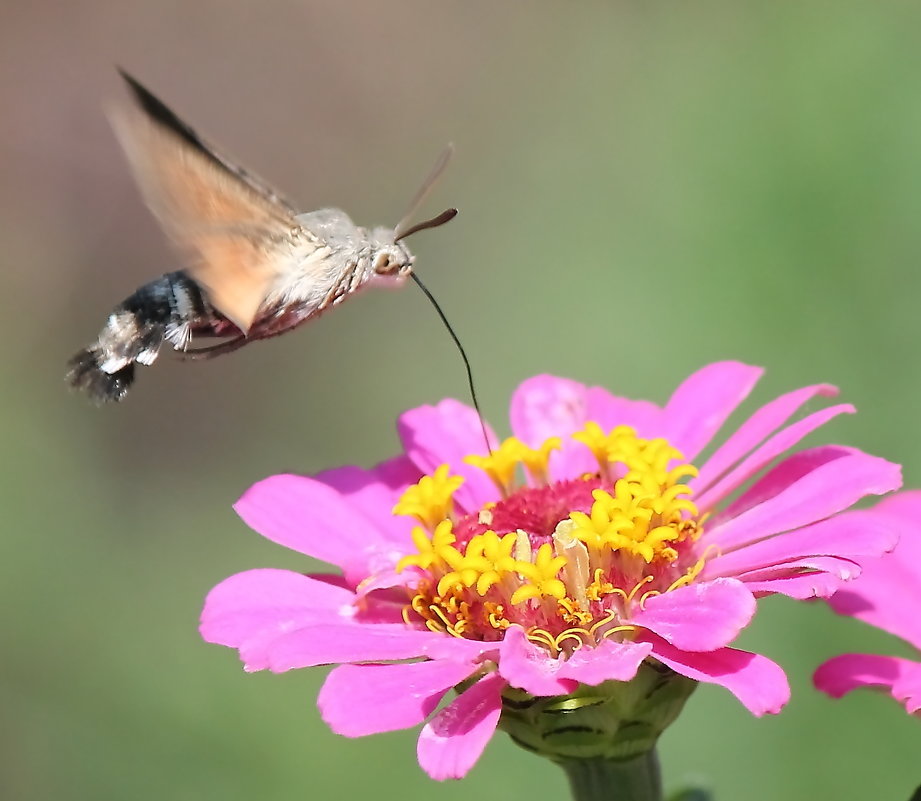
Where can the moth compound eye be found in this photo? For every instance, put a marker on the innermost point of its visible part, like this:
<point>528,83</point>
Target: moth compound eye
<point>382,263</point>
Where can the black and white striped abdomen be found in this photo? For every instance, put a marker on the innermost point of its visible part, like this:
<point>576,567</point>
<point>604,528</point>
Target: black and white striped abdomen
<point>165,309</point>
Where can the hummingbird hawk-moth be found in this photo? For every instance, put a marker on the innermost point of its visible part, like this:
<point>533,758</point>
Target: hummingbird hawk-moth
<point>255,268</point>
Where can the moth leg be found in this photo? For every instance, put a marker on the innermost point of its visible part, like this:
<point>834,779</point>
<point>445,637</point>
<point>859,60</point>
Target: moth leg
<point>347,282</point>
<point>209,352</point>
<point>341,288</point>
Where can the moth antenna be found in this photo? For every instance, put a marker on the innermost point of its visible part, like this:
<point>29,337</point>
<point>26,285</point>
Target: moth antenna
<point>446,216</point>
<point>423,192</point>
<point>460,348</point>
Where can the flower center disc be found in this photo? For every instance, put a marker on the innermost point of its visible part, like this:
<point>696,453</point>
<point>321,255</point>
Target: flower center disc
<point>534,510</point>
<point>567,560</point>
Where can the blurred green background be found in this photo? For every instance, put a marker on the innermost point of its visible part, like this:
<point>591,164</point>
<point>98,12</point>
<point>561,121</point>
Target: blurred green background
<point>644,187</point>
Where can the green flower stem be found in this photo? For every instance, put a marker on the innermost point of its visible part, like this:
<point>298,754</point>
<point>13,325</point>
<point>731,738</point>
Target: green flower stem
<point>634,779</point>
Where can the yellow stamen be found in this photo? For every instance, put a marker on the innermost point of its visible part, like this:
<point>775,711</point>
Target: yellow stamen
<point>570,611</point>
<point>637,588</point>
<point>495,615</point>
<point>577,635</point>
<point>544,638</point>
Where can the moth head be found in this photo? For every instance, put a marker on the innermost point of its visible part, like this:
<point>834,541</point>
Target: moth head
<point>389,259</point>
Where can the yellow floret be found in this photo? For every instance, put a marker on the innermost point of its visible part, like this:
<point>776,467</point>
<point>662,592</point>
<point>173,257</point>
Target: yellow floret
<point>536,460</point>
<point>432,552</point>
<point>431,500</point>
<point>501,464</point>
<point>540,576</point>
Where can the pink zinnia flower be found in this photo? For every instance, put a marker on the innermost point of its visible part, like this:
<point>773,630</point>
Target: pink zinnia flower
<point>887,594</point>
<point>614,550</point>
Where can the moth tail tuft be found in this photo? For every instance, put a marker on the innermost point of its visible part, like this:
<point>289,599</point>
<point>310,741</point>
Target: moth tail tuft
<point>162,311</point>
<point>85,373</point>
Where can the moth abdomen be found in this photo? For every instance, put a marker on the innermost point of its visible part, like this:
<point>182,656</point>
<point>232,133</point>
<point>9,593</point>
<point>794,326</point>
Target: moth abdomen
<point>166,309</point>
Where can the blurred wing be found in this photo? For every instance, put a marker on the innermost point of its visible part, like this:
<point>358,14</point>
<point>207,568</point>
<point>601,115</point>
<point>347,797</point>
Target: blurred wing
<point>240,233</point>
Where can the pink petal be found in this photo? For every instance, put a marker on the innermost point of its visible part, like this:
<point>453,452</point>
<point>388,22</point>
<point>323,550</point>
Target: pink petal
<point>312,518</point>
<point>840,675</point>
<point>546,406</point>
<point>760,684</point>
<point>905,508</point>
<point>381,608</point>
<point>907,689</point>
<point>269,594</point>
<point>700,406</point>
<point>808,577</point>
<point>766,454</point>
<point>883,609</point>
<point>699,617</point>
<point>328,644</point>
<point>375,492</point>
<point>607,661</point>
<point>445,434</point>
<point>531,668</point>
<point>781,476</point>
<point>841,569</point>
<point>250,610</point>
<point>357,700</point>
<point>802,587</point>
<point>754,430</point>
<point>850,534</point>
<point>453,741</point>
<point>828,489</point>
<point>385,580</point>
<point>609,411</point>
<point>888,592</point>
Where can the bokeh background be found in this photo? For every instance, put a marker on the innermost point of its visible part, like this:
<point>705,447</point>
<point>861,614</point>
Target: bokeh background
<point>644,187</point>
